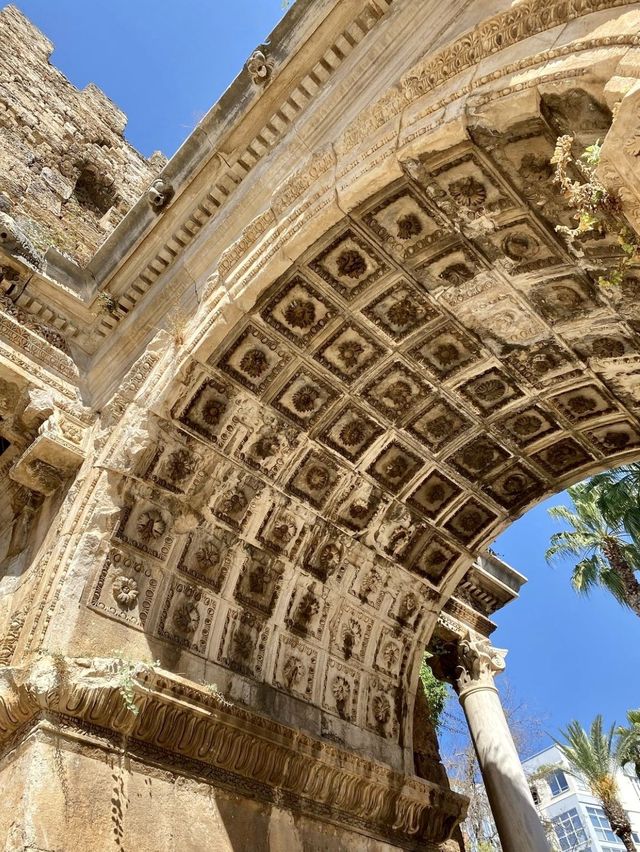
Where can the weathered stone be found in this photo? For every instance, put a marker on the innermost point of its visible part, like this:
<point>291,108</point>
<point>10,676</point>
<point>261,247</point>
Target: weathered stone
<point>260,438</point>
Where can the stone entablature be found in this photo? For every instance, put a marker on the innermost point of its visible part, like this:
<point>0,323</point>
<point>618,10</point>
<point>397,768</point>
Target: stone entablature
<point>188,728</point>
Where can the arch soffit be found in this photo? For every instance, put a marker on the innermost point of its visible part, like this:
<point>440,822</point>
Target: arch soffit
<point>428,368</point>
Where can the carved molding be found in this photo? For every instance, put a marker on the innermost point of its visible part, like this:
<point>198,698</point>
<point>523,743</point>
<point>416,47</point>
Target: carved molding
<point>249,752</point>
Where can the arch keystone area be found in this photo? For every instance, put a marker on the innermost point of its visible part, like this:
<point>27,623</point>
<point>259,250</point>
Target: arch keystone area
<point>254,447</point>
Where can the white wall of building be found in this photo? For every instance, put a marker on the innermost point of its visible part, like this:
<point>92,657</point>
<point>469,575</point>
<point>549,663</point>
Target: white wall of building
<point>577,817</point>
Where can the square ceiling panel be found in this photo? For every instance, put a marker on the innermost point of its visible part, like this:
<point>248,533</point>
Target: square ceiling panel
<point>400,311</point>
<point>349,352</point>
<point>349,265</point>
<point>299,312</point>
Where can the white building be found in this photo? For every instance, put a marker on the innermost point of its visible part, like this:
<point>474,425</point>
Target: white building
<point>566,802</point>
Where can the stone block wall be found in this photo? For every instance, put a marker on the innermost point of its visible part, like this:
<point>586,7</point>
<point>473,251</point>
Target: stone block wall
<point>67,175</point>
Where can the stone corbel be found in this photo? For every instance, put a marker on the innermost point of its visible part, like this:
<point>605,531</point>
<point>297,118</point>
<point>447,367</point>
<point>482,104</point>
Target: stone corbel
<point>260,67</point>
<point>55,454</point>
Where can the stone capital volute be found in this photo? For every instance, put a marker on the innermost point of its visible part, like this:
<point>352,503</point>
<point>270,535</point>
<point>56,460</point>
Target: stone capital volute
<point>478,663</point>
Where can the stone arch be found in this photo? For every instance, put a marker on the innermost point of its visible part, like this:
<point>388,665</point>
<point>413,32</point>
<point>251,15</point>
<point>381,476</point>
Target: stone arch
<point>395,357</point>
<point>356,431</point>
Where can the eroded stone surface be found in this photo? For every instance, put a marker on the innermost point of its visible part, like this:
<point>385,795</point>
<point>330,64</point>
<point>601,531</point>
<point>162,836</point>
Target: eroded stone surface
<point>270,460</point>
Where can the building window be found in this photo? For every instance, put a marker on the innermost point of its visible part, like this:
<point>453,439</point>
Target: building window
<point>601,824</point>
<point>535,795</point>
<point>557,781</point>
<point>570,832</point>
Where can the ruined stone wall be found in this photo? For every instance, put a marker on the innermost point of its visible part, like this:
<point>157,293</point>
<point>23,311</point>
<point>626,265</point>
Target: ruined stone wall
<point>67,175</point>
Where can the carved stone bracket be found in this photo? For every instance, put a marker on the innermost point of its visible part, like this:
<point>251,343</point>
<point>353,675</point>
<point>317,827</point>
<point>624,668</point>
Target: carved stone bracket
<point>260,67</point>
<point>230,744</point>
<point>52,457</point>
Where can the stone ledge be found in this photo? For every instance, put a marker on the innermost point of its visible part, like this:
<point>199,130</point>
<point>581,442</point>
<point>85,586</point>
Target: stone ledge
<point>227,744</point>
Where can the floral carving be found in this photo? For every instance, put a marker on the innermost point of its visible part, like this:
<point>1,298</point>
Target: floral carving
<point>212,411</point>
<point>398,394</point>
<point>490,389</point>
<point>186,618</point>
<point>208,556</point>
<point>350,352</point>
<point>243,644</point>
<point>151,525</point>
<point>468,192</point>
<point>381,709</point>
<point>396,467</point>
<point>300,313</point>
<point>341,689</point>
<point>404,312</point>
<point>308,607</point>
<point>407,607</point>
<point>351,264</point>
<point>351,635</point>
<point>305,398</point>
<point>233,502</point>
<point>527,424</point>
<point>179,465</point>
<point>254,362</point>
<point>456,274</point>
<point>353,433</point>
<point>581,405</point>
<point>370,586</point>
<point>125,591</point>
<point>293,671</point>
<point>391,654</point>
<point>478,662</point>
<point>284,531</point>
<point>519,246</point>
<point>409,226</point>
<point>607,347</point>
<point>317,477</point>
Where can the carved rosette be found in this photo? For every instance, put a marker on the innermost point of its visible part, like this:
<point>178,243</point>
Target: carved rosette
<point>478,663</point>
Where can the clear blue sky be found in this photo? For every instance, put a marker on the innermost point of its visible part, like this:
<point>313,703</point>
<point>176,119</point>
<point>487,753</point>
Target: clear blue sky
<point>165,64</point>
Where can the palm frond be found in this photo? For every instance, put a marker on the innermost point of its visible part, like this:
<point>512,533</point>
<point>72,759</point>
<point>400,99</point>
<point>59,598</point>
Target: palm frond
<point>592,753</point>
<point>586,575</point>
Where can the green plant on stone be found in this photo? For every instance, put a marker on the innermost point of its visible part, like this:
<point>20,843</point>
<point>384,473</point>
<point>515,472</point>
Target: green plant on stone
<point>215,692</point>
<point>436,692</point>
<point>127,673</point>
<point>597,210</point>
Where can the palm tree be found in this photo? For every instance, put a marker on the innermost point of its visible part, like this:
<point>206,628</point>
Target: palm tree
<point>595,756</point>
<point>619,497</point>
<point>604,552</point>
<point>629,741</point>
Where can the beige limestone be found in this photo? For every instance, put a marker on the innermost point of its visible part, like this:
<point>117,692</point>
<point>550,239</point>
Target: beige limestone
<point>259,437</point>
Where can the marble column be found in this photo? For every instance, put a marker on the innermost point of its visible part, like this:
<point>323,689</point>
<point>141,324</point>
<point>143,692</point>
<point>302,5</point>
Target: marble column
<point>514,812</point>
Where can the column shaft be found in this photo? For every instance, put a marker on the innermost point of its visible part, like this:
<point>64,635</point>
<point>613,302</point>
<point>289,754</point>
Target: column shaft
<point>514,812</point>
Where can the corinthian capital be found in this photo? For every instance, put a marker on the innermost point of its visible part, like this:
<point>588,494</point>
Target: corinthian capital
<point>478,662</point>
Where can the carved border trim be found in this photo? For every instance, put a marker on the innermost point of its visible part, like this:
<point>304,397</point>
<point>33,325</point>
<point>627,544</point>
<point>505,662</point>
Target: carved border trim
<point>230,745</point>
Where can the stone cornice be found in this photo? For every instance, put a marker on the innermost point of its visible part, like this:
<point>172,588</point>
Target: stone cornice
<point>120,257</point>
<point>249,751</point>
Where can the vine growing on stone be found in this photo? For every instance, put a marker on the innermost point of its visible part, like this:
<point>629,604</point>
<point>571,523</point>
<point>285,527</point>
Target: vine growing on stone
<point>598,211</point>
<point>435,690</point>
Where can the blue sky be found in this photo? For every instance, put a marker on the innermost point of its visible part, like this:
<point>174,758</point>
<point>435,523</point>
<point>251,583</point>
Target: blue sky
<point>165,64</point>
